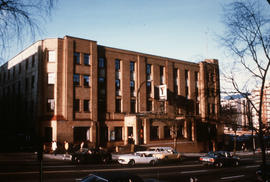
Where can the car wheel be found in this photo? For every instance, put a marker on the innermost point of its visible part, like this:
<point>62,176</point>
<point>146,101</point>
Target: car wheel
<point>131,162</point>
<point>220,164</point>
<point>153,162</point>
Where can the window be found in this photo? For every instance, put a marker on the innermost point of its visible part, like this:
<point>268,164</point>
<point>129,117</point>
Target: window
<point>50,105</point>
<point>153,132</point>
<point>167,132</point>
<point>86,59</point>
<point>118,133</point>
<point>76,105</point>
<point>26,85</point>
<point>20,68</point>
<point>186,83</point>
<point>86,107</point>
<point>149,105</point>
<point>33,81</point>
<point>175,77</point>
<point>132,88</point>
<point>213,109</point>
<point>51,56</point>
<point>118,105</point>
<point>76,79</point>
<point>26,64</point>
<point>33,60</point>
<point>132,105</point>
<point>51,78</point>
<point>86,79</point>
<point>162,80</point>
<point>149,88</point>
<point>117,85</point>
<point>117,65</point>
<point>101,62</point>
<point>76,58</point>
<point>132,66</point>
<point>148,69</point>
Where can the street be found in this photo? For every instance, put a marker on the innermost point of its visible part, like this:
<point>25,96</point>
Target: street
<point>24,167</point>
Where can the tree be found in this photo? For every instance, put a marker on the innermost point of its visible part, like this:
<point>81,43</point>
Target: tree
<point>247,38</point>
<point>21,18</point>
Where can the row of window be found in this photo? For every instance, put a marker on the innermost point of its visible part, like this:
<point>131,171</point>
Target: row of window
<point>77,80</point>
<point>17,69</point>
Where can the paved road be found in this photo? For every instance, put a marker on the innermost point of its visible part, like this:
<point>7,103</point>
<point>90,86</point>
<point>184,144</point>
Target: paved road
<point>23,167</point>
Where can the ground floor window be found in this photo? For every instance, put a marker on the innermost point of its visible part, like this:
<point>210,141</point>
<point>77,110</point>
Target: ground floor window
<point>81,134</point>
<point>153,132</point>
<point>167,132</point>
<point>116,134</point>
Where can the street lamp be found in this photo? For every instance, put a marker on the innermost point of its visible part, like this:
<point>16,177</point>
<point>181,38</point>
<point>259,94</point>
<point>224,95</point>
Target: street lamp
<point>139,123</point>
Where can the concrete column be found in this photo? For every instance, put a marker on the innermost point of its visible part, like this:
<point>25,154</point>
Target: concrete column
<point>146,128</point>
<point>185,129</point>
<point>161,132</point>
<point>125,135</point>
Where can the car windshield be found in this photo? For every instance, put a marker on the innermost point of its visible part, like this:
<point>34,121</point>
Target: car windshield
<point>94,178</point>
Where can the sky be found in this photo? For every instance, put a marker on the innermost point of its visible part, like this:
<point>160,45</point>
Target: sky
<point>181,29</point>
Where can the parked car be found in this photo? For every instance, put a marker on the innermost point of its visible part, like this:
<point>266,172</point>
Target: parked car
<point>86,155</point>
<point>112,177</point>
<point>137,158</point>
<point>265,170</point>
<point>220,158</point>
<point>163,153</point>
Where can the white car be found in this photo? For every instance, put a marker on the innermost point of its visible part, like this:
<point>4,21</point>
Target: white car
<point>137,158</point>
<point>166,153</point>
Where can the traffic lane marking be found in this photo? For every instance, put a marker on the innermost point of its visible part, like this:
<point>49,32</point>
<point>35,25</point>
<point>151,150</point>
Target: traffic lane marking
<point>232,177</point>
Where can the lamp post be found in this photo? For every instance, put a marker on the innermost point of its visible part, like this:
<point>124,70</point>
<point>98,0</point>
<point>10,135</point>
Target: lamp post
<point>139,124</point>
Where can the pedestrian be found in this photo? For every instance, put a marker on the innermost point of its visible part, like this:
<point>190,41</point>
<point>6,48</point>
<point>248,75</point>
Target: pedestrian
<point>66,147</point>
<point>54,147</point>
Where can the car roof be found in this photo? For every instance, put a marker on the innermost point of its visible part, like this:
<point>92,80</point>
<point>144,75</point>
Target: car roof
<point>114,176</point>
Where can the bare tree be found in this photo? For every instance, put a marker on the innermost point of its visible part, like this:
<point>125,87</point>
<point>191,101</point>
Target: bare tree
<point>20,20</point>
<point>247,37</point>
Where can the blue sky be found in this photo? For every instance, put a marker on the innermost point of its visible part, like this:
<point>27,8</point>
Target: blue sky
<point>181,29</point>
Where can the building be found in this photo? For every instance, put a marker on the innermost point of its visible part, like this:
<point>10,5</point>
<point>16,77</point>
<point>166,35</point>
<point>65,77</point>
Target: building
<point>76,90</point>
<point>242,114</point>
<point>255,98</point>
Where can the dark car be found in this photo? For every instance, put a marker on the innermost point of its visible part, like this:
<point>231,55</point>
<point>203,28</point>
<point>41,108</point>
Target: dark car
<point>263,173</point>
<point>94,156</point>
<point>220,158</point>
<point>112,177</point>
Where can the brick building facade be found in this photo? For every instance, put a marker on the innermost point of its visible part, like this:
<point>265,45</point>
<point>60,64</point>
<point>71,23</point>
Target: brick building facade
<point>76,90</point>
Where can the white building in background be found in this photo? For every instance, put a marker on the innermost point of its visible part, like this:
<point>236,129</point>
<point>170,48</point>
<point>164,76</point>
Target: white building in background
<point>241,105</point>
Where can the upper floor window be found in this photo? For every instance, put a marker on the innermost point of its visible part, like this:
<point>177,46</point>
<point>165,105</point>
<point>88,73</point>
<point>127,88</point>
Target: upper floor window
<point>101,63</point>
<point>76,105</point>
<point>117,84</point>
<point>77,58</point>
<point>132,66</point>
<point>51,78</point>
<point>20,68</point>
<point>117,65</point>
<point>162,80</point>
<point>148,69</point>
<point>118,105</point>
<point>86,59</point>
<point>86,107</point>
<point>26,64</point>
<point>50,105</point>
<point>76,79</point>
<point>86,80</point>
<point>132,105</point>
<point>33,60</point>
<point>51,56</point>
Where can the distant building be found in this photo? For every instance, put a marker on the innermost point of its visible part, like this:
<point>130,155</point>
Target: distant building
<point>72,89</point>
<point>243,113</point>
<point>255,97</point>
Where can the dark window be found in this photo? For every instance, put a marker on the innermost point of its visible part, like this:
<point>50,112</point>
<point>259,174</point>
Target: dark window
<point>118,133</point>
<point>86,59</point>
<point>117,65</point>
<point>81,134</point>
<point>26,85</point>
<point>26,64</point>
<point>132,88</point>
<point>153,132</point>
<point>161,69</point>
<point>118,105</point>
<point>76,105</point>
<point>213,109</point>
<point>20,68</point>
<point>86,82</point>
<point>132,66</point>
<point>76,58</point>
<point>101,63</point>
<point>76,79</point>
<point>86,106</point>
<point>148,88</point>
<point>167,132</point>
<point>148,69</point>
<point>132,106</point>
<point>186,83</point>
<point>149,105</point>
<point>117,84</point>
<point>33,82</point>
<point>175,78</point>
<point>33,60</point>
